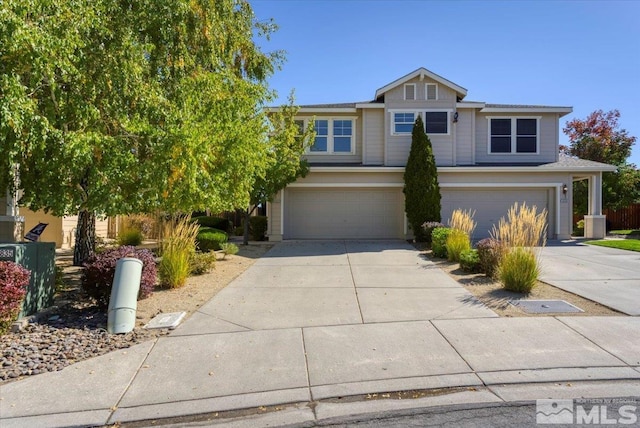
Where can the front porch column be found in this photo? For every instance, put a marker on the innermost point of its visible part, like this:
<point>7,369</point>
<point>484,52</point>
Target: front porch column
<point>595,224</point>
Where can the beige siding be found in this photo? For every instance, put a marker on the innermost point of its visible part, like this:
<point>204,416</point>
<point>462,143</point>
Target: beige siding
<point>464,137</point>
<point>274,216</point>
<point>53,231</point>
<point>548,140</point>
<point>397,94</point>
<point>69,224</point>
<point>398,148</point>
<point>374,136</point>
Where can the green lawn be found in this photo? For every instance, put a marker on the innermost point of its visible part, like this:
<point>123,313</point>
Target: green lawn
<point>622,244</point>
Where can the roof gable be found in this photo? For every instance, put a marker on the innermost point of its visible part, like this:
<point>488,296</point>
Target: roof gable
<point>423,72</point>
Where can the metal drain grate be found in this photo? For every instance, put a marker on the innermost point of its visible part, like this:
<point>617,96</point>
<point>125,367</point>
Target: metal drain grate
<point>545,306</point>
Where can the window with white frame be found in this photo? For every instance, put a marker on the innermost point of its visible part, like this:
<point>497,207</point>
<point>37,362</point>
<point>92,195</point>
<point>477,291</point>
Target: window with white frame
<point>333,136</point>
<point>403,122</point>
<point>410,91</point>
<point>435,122</point>
<point>431,91</point>
<point>513,135</point>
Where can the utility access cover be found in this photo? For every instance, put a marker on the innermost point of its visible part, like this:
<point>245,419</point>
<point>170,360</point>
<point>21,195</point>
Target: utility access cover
<point>170,320</point>
<point>545,306</point>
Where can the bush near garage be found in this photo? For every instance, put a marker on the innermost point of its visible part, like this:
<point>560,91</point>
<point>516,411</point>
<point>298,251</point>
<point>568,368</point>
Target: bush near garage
<point>99,270</point>
<point>470,261</point>
<point>214,222</point>
<point>490,253</point>
<point>258,227</point>
<point>210,239</point>
<point>439,241</point>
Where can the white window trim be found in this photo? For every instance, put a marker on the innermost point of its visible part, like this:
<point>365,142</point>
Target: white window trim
<point>514,135</point>
<point>420,112</point>
<point>426,91</point>
<point>415,95</point>
<point>330,135</point>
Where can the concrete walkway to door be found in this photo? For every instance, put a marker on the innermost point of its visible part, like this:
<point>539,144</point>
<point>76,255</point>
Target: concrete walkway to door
<point>604,275</point>
<point>314,321</point>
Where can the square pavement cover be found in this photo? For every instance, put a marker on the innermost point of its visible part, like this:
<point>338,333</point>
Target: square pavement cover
<point>545,306</point>
<point>170,320</point>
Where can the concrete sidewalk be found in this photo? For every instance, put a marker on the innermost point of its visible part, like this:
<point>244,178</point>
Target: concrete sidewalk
<point>605,275</point>
<point>312,321</point>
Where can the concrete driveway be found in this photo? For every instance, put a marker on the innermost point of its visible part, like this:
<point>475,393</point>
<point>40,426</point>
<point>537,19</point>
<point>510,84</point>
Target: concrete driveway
<point>605,275</point>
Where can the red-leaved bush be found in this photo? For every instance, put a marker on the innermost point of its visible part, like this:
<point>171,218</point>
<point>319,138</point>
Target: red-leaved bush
<point>100,269</point>
<point>13,286</point>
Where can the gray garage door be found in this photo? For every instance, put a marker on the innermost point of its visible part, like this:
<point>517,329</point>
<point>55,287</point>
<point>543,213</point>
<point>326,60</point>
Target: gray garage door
<point>344,213</point>
<point>490,205</point>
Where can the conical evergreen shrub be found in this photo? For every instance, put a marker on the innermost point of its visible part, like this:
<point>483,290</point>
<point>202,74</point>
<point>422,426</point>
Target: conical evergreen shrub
<point>421,188</point>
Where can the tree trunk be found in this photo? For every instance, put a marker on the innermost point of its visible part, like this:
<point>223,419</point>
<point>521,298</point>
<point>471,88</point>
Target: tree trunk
<point>247,216</point>
<point>85,237</point>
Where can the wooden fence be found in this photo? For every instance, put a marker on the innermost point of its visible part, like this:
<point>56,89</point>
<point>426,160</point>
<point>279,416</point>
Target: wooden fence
<point>624,218</point>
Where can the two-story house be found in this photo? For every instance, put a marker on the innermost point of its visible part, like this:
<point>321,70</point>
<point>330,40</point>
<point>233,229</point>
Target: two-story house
<point>488,156</point>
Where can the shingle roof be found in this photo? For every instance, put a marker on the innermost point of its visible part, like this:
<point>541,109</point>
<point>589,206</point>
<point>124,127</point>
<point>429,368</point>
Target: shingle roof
<point>573,162</point>
<point>333,105</point>
<point>521,106</point>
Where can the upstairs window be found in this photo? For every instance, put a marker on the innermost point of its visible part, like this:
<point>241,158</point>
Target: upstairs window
<point>333,136</point>
<point>410,91</point>
<point>436,122</point>
<point>320,144</point>
<point>513,135</point>
<point>403,123</point>
<point>431,91</point>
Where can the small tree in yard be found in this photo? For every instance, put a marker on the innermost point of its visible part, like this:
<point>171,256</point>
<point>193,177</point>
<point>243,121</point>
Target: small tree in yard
<point>285,146</point>
<point>600,139</point>
<point>421,188</point>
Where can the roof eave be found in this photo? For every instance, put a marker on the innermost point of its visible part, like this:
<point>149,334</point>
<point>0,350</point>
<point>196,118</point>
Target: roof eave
<point>460,91</point>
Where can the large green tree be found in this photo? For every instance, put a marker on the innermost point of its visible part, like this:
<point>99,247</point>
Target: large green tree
<point>119,106</point>
<point>599,138</point>
<point>285,144</point>
<point>421,188</point>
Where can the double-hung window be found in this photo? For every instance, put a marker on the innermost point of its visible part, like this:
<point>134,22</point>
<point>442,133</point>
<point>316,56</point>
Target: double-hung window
<point>333,136</point>
<point>513,135</point>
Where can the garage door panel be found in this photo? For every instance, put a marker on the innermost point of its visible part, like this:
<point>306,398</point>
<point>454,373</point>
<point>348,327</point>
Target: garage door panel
<point>344,214</point>
<point>490,205</point>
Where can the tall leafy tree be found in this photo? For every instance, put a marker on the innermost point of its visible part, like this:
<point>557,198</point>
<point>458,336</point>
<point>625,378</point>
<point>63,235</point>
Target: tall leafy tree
<point>599,138</point>
<point>113,107</point>
<point>421,188</point>
<point>285,145</point>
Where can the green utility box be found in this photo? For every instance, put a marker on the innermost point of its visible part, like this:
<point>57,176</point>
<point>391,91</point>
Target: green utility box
<point>40,259</point>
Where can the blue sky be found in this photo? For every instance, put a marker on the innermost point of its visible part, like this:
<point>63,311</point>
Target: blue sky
<point>584,54</point>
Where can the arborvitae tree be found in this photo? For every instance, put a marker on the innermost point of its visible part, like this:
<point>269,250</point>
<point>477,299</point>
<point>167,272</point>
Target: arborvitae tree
<point>421,189</point>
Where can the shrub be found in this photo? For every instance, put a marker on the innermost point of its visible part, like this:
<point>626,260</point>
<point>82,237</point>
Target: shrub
<point>13,287</point>
<point>457,241</point>
<point>258,227</point>
<point>470,261</point>
<point>490,253</point>
<point>177,249</point>
<point>229,249</point>
<point>100,269</point>
<point>421,188</point>
<point>463,220</point>
<point>427,229</point>
<point>209,239</point>
<point>439,241</point>
<point>202,263</point>
<point>214,222</point>
<point>519,270</point>
<point>238,231</point>
<point>130,237</point>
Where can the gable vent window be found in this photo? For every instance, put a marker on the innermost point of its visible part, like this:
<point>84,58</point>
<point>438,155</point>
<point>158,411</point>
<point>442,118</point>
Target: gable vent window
<point>431,91</point>
<point>410,91</point>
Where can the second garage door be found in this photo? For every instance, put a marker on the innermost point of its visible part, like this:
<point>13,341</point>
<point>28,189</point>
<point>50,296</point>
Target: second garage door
<point>490,205</point>
<point>344,213</point>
